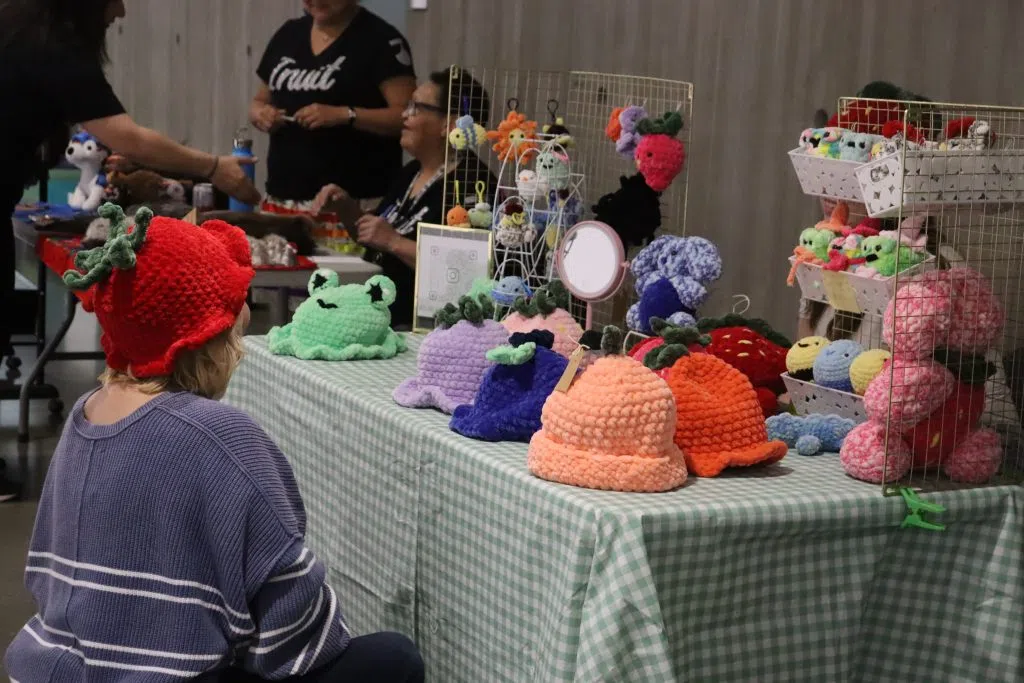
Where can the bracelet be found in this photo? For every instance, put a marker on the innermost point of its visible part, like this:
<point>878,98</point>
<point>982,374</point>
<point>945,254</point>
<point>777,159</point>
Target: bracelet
<point>216,165</point>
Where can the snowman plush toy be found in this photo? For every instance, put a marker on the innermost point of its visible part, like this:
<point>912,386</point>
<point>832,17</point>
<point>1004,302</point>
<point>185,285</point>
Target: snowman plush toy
<point>87,154</point>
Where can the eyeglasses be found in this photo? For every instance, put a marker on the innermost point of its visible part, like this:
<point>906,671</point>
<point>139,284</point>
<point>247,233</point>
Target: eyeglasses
<point>415,107</point>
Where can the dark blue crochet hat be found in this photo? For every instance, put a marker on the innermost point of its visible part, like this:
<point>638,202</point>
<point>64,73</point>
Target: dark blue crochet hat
<point>511,397</point>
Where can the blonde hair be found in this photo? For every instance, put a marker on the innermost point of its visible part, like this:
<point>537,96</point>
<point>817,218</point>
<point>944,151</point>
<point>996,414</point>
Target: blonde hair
<point>204,371</point>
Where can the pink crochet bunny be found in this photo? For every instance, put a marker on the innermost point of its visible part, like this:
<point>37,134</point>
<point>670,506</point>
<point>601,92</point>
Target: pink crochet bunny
<point>910,233</point>
<point>932,393</point>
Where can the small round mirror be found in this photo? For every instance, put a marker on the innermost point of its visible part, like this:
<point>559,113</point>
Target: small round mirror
<point>591,262</point>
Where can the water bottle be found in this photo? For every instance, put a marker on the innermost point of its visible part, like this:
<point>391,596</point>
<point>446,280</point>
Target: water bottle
<point>243,148</point>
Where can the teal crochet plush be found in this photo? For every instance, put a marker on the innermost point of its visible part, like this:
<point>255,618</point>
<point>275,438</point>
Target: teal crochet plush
<point>350,322</point>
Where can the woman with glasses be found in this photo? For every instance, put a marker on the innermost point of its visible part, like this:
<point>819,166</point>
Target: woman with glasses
<point>334,83</point>
<point>417,192</point>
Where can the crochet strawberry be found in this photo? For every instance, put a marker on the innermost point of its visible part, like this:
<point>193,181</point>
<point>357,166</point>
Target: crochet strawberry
<point>660,155</point>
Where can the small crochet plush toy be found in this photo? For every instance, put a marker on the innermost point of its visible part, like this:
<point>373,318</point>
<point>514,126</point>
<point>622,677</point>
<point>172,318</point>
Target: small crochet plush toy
<point>350,322</point>
<point>613,131</point>
<point>584,440</point>
<point>553,170</point>
<point>832,366</point>
<point>719,422</point>
<point>857,146</point>
<point>514,136</point>
<point>660,156</point>
<point>512,394</point>
<point>822,142</point>
<point>866,367</point>
<point>910,232</point>
<point>453,358</point>
<point>508,289</point>
<point>813,249</point>
<point>751,346</point>
<point>923,412</point>
<point>633,211</point>
<point>512,230</point>
<point>467,134</point>
<point>547,310</point>
<point>801,356</point>
<point>629,137</point>
<point>881,254</point>
<point>671,276</point>
<point>810,434</point>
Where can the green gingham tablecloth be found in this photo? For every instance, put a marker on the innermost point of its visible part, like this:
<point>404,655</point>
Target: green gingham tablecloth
<point>791,573</point>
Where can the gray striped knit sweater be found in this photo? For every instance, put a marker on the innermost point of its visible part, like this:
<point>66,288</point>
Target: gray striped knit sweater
<point>169,545</point>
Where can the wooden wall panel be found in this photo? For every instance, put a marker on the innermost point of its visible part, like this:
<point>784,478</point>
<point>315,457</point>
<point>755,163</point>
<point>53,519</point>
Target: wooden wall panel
<point>760,69</point>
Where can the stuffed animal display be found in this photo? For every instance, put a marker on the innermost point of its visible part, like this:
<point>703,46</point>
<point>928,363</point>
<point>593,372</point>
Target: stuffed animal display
<point>810,434</point>
<point>842,365</point>
<point>547,310</point>
<point>583,441</point>
<point>924,412</point>
<point>671,277</point>
<point>341,322</point>
<point>88,155</point>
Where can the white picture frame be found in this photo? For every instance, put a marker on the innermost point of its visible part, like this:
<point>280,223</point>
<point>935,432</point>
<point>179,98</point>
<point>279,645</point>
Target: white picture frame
<point>448,261</point>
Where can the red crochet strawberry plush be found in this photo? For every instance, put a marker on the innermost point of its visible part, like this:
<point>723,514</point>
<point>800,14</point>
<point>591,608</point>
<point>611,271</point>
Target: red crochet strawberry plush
<point>866,116</point>
<point>751,346</point>
<point>660,156</point>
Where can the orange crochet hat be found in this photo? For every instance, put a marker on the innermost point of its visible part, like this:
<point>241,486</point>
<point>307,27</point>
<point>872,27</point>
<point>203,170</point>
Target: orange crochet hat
<point>613,429</point>
<point>719,422</point>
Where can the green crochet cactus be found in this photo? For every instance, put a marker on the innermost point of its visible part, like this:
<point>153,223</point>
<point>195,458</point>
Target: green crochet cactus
<point>119,251</point>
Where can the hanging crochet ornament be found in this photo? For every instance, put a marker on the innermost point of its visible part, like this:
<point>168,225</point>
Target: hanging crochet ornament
<point>481,216</point>
<point>585,442</point>
<point>467,134</point>
<point>659,154</point>
<point>515,135</point>
<point>350,322</point>
<point>633,211</point>
<point>512,230</point>
<point>508,405</point>
<point>163,288</point>
<point>613,130</point>
<point>547,310</point>
<point>457,216</point>
<point>553,170</point>
<point>556,132</point>
<point>719,422</point>
<point>629,137</point>
<point>452,359</point>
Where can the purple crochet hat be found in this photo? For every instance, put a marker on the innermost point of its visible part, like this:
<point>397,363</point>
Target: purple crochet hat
<point>453,358</point>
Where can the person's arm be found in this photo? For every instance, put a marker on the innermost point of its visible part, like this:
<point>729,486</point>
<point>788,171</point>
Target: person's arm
<point>150,148</point>
<point>405,249</point>
<point>386,121</point>
<point>376,232</point>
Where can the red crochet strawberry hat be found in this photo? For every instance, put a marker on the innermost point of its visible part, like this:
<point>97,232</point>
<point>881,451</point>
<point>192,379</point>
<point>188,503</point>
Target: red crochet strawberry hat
<point>162,288</point>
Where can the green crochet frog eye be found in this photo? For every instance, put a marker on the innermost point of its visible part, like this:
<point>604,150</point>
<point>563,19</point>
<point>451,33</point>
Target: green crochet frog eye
<point>382,291</point>
<point>324,278</point>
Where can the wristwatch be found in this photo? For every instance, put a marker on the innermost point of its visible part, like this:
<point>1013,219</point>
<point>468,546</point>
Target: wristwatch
<point>351,116</point>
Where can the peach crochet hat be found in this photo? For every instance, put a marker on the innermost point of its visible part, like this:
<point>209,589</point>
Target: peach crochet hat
<point>719,422</point>
<point>611,430</point>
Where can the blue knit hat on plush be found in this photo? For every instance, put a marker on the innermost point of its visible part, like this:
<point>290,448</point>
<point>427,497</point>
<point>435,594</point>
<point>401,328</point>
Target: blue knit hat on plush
<point>511,397</point>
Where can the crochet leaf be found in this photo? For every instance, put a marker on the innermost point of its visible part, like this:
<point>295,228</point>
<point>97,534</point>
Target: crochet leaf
<point>119,251</point>
<point>686,336</point>
<point>670,124</point>
<point>513,355</point>
<point>758,325</point>
<point>611,340</point>
<point>447,316</point>
<point>545,301</point>
<point>665,356</point>
<point>474,307</point>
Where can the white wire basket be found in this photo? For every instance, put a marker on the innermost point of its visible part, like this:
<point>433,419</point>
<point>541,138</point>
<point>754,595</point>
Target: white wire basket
<point>872,295</point>
<point>829,178</point>
<point>810,398</point>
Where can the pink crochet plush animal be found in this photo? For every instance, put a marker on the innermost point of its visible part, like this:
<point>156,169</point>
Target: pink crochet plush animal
<point>932,393</point>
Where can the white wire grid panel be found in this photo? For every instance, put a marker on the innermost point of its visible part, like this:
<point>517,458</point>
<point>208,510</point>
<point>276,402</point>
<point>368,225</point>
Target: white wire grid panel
<point>584,101</point>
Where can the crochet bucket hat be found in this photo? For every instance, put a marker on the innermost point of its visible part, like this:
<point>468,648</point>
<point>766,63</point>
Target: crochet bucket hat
<point>453,358</point>
<point>719,421</point>
<point>613,429</point>
<point>512,394</point>
<point>164,287</point>
<point>547,310</point>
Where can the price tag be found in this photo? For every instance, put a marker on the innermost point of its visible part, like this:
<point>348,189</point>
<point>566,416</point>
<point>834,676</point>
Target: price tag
<point>839,293</point>
<point>571,369</point>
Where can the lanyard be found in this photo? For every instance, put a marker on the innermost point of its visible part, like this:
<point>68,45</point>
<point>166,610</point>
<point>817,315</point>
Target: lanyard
<point>398,210</point>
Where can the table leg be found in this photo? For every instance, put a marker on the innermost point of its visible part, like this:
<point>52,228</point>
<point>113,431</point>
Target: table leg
<point>41,277</point>
<point>37,369</point>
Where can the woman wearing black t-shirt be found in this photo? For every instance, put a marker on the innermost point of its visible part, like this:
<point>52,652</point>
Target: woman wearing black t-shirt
<point>334,84</point>
<point>51,73</point>
<point>416,193</point>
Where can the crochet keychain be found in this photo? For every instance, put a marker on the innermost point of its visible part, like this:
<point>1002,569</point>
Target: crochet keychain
<point>512,230</point>
<point>481,216</point>
<point>660,156</point>
<point>629,136</point>
<point>515,134</point>
<point>457,216</point>
<point>556,130</point>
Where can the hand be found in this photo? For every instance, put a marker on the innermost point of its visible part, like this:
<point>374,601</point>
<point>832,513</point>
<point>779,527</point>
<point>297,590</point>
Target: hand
<point>231,178</point>
<point>376,232</point>
<point>268,118</point>
<point>328,195</point>
<point>321,116</point>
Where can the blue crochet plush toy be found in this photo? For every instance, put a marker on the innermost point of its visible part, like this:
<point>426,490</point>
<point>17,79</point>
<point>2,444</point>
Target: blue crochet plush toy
<point>672,275</point>
<point>832,366</point>
<point>810,434</point>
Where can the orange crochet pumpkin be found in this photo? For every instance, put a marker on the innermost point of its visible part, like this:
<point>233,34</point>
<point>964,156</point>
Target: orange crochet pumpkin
<point>719,420</point>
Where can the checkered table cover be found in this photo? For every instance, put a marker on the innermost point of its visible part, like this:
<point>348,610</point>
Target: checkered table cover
<point>791,573</point>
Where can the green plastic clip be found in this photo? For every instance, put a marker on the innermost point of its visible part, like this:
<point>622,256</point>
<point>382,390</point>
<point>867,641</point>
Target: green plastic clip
<point>917,507</point>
